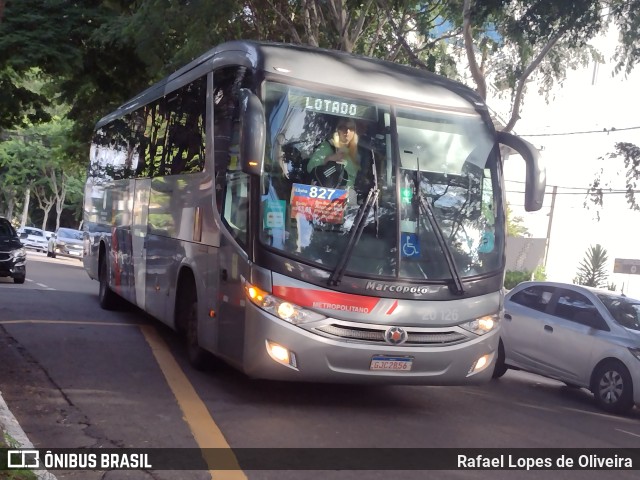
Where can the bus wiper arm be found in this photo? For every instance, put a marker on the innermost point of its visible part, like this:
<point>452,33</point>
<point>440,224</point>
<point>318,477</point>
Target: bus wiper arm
<point>358,223</point>
<point>427,210</point>
<point>354,236</point>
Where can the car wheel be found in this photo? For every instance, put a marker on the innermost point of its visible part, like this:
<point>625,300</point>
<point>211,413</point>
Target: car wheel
<point>188,312</point>
<point>501,368</point>
<point>19,279</point>
<point>107,297</point>
<point>612,387</point>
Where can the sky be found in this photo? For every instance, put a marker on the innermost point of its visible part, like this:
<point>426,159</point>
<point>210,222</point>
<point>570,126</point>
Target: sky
<point>572,161</point>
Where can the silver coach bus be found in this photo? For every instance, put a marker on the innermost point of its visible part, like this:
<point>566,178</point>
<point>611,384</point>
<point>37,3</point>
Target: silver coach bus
<point>206,207</point>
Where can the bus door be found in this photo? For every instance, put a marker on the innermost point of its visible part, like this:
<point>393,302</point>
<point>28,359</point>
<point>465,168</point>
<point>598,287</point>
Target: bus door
<point>139,239</point>
<point>233,265</point>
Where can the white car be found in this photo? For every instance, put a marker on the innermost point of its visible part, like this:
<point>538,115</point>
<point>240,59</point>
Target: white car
<point>32,237</point>
<point>67,242</point>
<point>584,337</point>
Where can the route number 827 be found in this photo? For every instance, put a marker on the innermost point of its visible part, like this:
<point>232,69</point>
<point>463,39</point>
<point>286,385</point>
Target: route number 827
<point>322,193</point>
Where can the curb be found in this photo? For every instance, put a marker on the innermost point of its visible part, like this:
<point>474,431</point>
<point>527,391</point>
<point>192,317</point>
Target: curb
<point>11,426</point>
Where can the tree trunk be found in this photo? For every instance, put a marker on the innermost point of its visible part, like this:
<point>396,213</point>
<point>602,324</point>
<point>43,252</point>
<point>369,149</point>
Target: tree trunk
<point>25,210</point>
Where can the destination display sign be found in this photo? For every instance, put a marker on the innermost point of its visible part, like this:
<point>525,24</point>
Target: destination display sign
<point>332,105</point>
<point>318,204</point>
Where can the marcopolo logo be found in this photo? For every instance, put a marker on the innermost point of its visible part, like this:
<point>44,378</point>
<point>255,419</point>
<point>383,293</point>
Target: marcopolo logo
<point>23,459</point>
<point>412,289</point>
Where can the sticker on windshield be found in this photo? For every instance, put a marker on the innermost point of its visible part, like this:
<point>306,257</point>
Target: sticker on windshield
<point>487,242</point>
<point>410,245</point>
<point>318,204</point>
<point>274,212</point>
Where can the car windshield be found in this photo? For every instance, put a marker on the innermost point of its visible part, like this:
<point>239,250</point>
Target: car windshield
<point>68,233</point>
<point>624,310</point>
<point>327,153</point>
<point>6,230</point>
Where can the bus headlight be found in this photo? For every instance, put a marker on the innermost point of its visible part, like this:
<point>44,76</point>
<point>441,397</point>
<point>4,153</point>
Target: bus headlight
<point>279,307</point>
<point>481,325</point>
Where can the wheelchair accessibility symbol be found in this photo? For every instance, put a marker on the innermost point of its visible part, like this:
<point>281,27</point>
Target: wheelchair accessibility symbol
<point>410,245</point>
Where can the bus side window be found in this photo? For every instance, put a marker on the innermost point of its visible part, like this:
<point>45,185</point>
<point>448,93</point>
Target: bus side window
<point>232,184</point>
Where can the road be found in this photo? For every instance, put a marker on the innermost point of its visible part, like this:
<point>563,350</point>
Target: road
<point>77,376</point>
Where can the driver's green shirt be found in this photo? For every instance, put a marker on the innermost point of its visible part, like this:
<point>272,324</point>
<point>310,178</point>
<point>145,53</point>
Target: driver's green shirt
<point>323,151</point>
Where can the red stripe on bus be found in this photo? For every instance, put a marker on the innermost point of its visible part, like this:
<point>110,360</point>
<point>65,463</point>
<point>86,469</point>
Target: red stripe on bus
<point>392,307</point>
<point>326,300</point>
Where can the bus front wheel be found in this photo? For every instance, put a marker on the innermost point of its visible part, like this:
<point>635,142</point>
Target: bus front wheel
<point>189,311</point>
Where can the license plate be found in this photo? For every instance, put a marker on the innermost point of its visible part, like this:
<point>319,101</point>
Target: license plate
<point>395,364</point>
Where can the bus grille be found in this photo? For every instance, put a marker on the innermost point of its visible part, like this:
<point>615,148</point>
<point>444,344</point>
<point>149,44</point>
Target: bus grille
<point>377,335</point>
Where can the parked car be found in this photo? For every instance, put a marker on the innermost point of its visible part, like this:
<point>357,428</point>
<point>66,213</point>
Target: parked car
<point>584,337</point>
<point>13,256</point>
<point>67,242</point>
<point>35,238</point>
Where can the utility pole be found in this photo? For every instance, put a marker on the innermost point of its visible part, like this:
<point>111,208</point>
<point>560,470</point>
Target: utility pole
<point>553,204</point>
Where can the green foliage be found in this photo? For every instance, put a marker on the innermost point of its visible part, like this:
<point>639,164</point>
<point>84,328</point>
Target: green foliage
<point>7,441</point>
<point>592,270</point>
<point>626,15</point>
<point>630,155</point>
<point>514,277</point>
<point>515,227</point>
<point>540,274</point>
<point>95,54</point>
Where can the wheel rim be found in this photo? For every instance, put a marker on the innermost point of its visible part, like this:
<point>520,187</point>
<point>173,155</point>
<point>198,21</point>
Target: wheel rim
<point>611,387</point>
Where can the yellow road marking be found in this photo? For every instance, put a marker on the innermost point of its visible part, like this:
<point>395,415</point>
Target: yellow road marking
<point>204,429</point>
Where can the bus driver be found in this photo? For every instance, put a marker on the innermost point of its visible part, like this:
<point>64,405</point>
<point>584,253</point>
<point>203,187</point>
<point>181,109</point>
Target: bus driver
<point>342,149</point>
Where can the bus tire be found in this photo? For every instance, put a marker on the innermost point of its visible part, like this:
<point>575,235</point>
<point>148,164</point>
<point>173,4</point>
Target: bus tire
<point>188,311</point>
<point>108,298</point>
<point>500,368</point>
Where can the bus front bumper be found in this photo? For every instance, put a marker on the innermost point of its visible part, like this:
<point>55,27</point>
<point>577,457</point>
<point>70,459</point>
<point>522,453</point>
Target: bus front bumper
<point>313,357</point>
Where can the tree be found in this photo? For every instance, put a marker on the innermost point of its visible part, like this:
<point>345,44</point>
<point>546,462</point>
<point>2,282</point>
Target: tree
<point>515,227</point>
<point>592,270</point>
<point>630,155</point>
<point>95,54</point>
<point>19,166</point>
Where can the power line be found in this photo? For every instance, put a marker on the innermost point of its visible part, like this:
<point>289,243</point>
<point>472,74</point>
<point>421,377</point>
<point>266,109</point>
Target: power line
<point>604,130</point>
<point>604,192</point>
<point>566,188</point>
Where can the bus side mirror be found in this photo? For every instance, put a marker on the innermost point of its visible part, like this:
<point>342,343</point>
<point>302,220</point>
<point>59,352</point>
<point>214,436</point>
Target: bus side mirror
<point>536,179</point>
<point>252,133</point>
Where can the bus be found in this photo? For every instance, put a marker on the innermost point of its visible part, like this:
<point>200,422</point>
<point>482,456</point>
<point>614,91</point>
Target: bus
<point>202,209</point>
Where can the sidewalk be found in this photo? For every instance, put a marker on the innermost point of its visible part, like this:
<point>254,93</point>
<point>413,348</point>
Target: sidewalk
<point>10,426</point>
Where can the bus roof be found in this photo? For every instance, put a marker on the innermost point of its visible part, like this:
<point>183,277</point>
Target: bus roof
<point>323,68</point>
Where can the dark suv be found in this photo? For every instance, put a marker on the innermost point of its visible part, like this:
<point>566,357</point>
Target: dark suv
<point>13,256</point>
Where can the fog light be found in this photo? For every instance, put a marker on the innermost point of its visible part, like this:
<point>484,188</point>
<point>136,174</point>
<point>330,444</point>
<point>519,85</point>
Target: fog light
<point>480,364</point>
<point>281,354</point>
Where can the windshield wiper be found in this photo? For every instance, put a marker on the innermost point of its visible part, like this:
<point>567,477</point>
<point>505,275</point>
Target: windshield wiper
<point>358,226</point>
<point>427,210</point>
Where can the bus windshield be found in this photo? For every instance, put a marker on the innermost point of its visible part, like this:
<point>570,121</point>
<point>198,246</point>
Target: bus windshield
<point>326,153</point>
